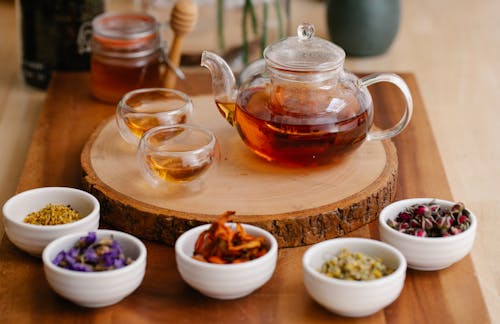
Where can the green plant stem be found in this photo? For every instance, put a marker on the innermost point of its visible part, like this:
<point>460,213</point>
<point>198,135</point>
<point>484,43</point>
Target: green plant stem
<point>277,8</point>
<point>251,10</point>
<point>244,31</point>
<point>263,38</point>
<point>220,24</point>
<point>248,12</point>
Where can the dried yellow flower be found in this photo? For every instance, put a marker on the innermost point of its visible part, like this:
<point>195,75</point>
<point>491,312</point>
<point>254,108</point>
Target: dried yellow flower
<point>355,266</point>
<point>53,214</point>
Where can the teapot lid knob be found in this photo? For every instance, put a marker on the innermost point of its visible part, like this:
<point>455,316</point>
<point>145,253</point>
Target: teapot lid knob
<point>304,52</point>
<point>305,31</point>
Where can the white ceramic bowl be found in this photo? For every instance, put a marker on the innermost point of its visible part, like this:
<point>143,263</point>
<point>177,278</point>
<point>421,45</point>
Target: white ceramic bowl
<point>426,253</point>
<point>353,298</point>
<point>33,238</point>
<point>96,289</point>
<point>224,281</point>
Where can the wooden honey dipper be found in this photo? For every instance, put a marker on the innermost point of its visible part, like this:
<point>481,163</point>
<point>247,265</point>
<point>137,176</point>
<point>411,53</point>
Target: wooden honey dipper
<point>182,21</point>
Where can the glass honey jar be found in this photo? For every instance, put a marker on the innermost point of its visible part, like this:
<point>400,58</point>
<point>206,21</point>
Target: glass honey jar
<point>127,53</point>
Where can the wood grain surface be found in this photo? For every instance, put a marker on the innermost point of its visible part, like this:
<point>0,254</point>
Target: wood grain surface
<point>299,206</point>
<point>447,296</point>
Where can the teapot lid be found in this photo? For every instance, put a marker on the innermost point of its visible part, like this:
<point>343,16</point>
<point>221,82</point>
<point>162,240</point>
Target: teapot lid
<point>304,52</point>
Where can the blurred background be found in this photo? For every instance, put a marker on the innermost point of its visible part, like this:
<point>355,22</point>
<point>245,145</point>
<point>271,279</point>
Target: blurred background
<point>451,46</point>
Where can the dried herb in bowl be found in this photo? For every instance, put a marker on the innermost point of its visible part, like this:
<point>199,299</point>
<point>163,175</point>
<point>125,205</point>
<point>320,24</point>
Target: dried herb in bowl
<point>355,266</point>
<point>53,214</point>
<point>432,220</point>
<point>87,255</point>
<point>220,244</point>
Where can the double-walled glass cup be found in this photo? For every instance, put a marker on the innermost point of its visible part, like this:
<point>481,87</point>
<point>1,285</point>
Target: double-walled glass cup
<point>177,156</point>
<point>143,109</point>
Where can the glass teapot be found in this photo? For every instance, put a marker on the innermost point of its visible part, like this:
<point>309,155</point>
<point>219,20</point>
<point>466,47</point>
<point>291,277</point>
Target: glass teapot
<point>298,106</point>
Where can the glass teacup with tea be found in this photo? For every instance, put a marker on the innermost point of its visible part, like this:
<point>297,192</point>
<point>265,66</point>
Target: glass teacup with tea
<point>177,156</point>
<point>140,110</point>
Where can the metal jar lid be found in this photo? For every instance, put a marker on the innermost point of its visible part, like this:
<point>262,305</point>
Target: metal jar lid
<point>126,35</point>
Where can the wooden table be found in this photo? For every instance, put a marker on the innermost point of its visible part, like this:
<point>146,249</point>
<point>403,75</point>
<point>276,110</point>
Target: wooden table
<point>447,296</point>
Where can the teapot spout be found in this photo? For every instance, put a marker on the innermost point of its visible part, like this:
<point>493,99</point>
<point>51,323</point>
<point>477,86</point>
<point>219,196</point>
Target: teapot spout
<point>223,83</point>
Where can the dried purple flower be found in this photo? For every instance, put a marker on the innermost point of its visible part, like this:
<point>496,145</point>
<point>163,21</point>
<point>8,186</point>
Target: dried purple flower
<point>88,255</point>
<point>77,266</point>
<point>70,261</point>
<point>119,263</point>
<point>73,253</point>
<point>108,260</point>
<point>431,220</point>
<point>86,241</point>
<point>59,258</point>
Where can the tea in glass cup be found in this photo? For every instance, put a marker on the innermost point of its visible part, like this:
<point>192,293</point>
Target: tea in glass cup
<point>143,109</point>
<point>177,155</point>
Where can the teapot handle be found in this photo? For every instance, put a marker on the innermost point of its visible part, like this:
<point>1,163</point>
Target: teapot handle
<point>401,84</point>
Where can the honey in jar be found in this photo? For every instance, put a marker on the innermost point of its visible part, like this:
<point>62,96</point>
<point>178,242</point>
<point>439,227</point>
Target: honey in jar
<point>127,54</point>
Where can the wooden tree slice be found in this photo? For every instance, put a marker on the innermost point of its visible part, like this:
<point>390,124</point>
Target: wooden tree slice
<point>299,206</point>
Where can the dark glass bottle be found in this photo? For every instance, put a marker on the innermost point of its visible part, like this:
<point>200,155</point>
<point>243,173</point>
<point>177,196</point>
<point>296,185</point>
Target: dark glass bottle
<point>49,30</point>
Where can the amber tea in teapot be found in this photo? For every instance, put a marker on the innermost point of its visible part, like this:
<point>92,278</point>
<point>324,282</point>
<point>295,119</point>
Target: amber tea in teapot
<point>295,140</point>
<point>298,106</point>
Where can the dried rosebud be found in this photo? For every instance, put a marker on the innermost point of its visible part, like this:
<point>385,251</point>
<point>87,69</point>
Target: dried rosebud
<point>457,209</point>
<point>448,221</point>
<point>415,223</point>
<point>404,226</point>
<point>422,210</point>
<point>420,233</point>
<point>410,231</point>
<point>432,220</point>
<point>455,230</point>
<point>462,219</point>
<point>441,222</point>
<point>404,217</point>
<point>392,223</point>
<point>464,226</point>
<point>427,223</point>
